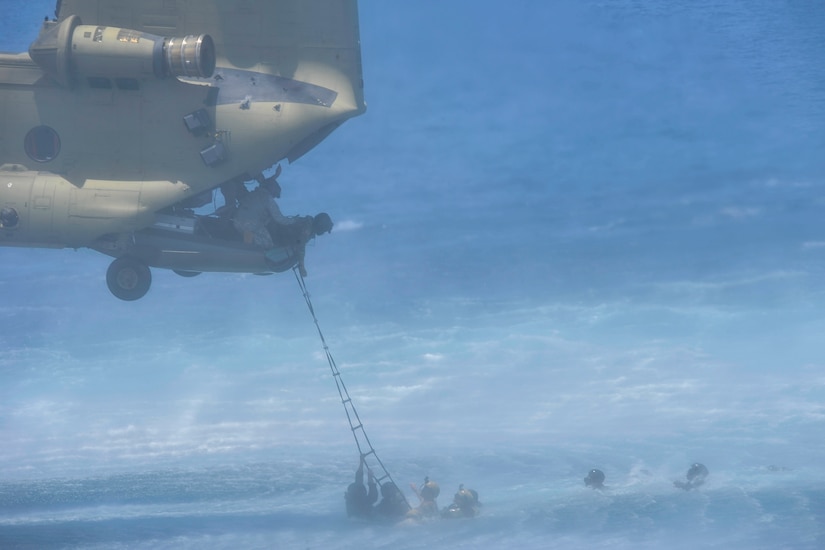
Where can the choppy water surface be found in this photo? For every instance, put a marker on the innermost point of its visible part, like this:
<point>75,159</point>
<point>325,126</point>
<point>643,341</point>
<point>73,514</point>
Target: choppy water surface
<point>569,235</point>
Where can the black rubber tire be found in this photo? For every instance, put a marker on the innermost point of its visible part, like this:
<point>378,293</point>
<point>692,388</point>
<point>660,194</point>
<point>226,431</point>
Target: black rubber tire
<point>187,273</point>
<point>128,278</point>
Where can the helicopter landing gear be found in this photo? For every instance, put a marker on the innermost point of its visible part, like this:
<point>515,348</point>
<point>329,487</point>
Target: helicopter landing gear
<point>128,278</point>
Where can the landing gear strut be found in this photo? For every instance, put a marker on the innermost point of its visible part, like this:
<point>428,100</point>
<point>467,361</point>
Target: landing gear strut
<point>128,278</point>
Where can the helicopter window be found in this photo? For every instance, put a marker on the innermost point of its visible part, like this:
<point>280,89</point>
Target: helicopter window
<point>99,83</point>
<point>9,218</point>
<point>127,84</point>
<point>42,144</point>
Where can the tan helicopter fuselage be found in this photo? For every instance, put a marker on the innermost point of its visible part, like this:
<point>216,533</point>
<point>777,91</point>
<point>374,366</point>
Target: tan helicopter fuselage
<point>97,137</point>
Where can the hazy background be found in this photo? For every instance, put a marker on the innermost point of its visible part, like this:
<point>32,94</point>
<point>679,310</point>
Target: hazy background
<point>569,235</point>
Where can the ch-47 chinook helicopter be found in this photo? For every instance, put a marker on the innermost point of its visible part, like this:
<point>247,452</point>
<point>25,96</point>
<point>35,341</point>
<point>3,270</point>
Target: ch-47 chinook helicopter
<point>123,114</point>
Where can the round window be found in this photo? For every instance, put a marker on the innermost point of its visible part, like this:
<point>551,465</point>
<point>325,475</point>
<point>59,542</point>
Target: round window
<point>42,144</point>
<point>9,218</point>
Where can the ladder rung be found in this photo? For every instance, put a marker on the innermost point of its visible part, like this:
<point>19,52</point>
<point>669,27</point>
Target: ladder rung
<point>342,391</point>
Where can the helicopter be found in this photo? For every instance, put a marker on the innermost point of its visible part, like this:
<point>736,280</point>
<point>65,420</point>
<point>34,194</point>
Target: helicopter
<point>124,118</point>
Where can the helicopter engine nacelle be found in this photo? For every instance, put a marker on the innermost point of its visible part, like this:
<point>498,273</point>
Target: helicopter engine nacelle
<point>71,49</point>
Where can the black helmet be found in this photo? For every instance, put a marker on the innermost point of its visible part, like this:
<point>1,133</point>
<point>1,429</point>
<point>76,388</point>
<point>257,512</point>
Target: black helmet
<point>321,224</point>
<point>697,471</point>
<point>595,478</point>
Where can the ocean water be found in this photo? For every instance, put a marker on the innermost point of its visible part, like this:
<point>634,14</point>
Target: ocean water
<point>569,235</point>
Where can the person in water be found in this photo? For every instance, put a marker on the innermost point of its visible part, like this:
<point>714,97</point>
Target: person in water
<point>426,494</point>
<point>696,475</point>
<point>358,499</point>
<point>594,479</point>
<point>465,505</point>
<point>393,505</point>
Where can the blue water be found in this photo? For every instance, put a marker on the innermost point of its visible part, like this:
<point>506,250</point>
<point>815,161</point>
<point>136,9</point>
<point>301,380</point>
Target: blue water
<point>570,235</point>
